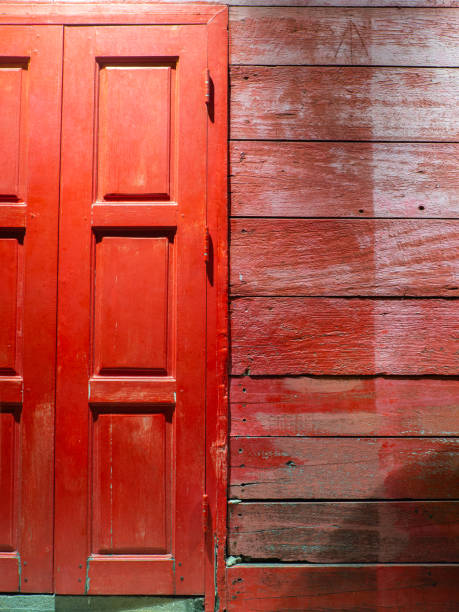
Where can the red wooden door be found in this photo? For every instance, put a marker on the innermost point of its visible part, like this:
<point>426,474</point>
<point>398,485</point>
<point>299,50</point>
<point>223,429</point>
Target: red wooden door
<point>30,94</point>
<point>130,402</point>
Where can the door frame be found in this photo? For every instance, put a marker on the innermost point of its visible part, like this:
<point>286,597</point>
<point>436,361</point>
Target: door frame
<point>215,243</point>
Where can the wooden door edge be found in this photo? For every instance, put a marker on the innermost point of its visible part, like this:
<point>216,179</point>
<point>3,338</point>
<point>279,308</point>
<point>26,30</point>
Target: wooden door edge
<point>217,313</point>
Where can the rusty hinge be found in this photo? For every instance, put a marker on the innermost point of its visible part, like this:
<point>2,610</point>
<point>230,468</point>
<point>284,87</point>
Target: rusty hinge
<point>207,85</point>
<point>205,513</point>
<point>206,245</point>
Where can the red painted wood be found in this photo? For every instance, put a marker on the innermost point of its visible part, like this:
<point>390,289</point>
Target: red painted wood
<point>145,439</point>
<point>343,103</point>
<point>344,468</point>
<point>30,62</point>
<point>106,12</point>
<point>9,437</point>
<point>217,313</point>
<point>354,532</point>
<point>105,574</point>
<point>344,179</point>
<point>10,571</point>
<point>131,335</point>
<point>11,388</point>
<point>12,86</point>
<point>379,36</point>
<point>343,337</point>
<point>345,257</point>
<point>332,3</point>
<point>140,127</point>
<point>149,290</point>
<point>302,406</point>
<point>10,281</point>
<point>276,588</point>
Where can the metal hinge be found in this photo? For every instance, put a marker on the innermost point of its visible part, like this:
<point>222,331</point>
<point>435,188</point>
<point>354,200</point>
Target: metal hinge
<point>205,513</point>
<point>207,85</point>
<point>206,245</point>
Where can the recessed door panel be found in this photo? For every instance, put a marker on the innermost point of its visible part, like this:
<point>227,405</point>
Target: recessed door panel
<point>135,125</point>
<point>131,515</point>
<point>131,305</point>
<point>11,88</point>
<point>9,248</point>
<point>8,478</point>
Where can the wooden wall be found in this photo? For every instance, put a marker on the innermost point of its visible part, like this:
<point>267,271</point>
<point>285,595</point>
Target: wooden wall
<point>344,250</point>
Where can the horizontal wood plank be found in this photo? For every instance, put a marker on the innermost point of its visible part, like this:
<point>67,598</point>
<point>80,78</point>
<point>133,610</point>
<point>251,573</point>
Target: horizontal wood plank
<point>400,588</point>
<point>351,532</point>
<point>378,36</point>
<point>344,468</point>
<point>338,336</point>
<point>344,103</point>
<point>382,257</point>
<point>360,3</point>
<point>344,179</point>
<point>304,406</point>
<point>92,12</point>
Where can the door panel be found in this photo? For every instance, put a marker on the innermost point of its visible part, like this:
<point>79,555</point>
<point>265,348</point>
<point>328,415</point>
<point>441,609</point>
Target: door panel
<point>132,307</point>
<point>30,91</point>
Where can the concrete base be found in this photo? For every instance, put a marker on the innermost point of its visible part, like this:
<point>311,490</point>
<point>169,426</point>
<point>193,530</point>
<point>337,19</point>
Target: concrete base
<point>112,603</point>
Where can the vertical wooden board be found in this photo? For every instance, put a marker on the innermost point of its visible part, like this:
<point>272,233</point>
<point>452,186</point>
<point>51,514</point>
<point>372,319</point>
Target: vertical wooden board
<point>134,124</point>
<point>346,103</point>
<point>9,248</point>
<point>131,515</point>
<point>343,337</point>
<point>303,406</point>
<point>217,314</point>
<point>346,532</point>
<point>378,36</point>
<point>8,480</point>
<point>344,179</point>
<point>131,304</point>
<point>30,87</point>
<point>275,588</point>
<point>344,468</point>
<point>10,134</point>
<point>346,257</point>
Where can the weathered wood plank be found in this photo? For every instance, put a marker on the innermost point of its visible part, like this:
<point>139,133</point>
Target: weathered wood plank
<point>385,37</point>
<point>351,532</point>
<point>396,588</point>
<point>333,336</point>
<point>303,406</point>
<point>344,179</point>
<point>344,468</point>
<point>361,3</point>
<point>382,257</point>
<point>344,103</point>
<point>318,3</point>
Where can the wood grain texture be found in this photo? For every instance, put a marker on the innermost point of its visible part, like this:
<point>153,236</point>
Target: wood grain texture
<point>382,257</point>
<point>344,468</point>
<point>344,179</point>
<point>303,406</point>
<point>354,532</point>
<point>385,37</point>
<point>360,3</point>
<point>344,103</point>
<point>336,336</point>
<point>397,588</point>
